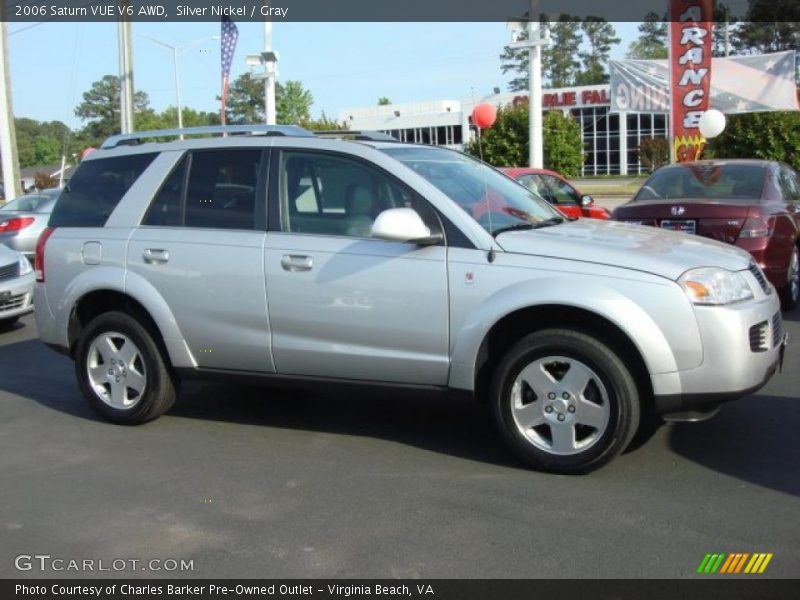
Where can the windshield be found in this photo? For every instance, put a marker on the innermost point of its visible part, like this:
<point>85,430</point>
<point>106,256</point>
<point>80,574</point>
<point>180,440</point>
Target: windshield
<point>723,182</point>
<point>495,201</point>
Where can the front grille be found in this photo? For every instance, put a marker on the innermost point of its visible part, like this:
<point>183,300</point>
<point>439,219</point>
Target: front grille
<point>777,329</point>
<point>12,303</point>
<point>759,275</point>
<point>759,337</point>
<point>9,271</point>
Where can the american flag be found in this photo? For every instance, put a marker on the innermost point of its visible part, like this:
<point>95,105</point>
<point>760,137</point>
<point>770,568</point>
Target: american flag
<point>228,46</point>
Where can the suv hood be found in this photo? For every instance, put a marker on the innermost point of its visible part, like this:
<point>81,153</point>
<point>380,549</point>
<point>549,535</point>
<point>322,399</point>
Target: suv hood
<point>664,253</point>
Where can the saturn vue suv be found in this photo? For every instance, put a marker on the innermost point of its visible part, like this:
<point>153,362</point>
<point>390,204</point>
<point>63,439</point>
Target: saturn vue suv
<point>276,254</point>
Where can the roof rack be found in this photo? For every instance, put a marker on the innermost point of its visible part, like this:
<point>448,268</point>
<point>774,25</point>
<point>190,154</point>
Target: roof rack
<point>129,139</point>
<point>362,136</point>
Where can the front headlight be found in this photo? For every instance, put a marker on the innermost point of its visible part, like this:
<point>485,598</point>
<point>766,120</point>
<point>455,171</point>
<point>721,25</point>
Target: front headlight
<point>24,266</point>
<point>714,286</point>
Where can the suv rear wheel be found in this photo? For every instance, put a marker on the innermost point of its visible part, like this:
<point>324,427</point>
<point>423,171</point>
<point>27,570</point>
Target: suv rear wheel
<point>564,401</point>
<point>121,371</point>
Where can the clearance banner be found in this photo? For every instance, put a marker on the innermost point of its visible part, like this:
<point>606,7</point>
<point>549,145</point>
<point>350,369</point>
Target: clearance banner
<point>690,73</point>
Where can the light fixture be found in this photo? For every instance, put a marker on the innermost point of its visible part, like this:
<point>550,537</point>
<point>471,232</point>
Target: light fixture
<point>397,113</point>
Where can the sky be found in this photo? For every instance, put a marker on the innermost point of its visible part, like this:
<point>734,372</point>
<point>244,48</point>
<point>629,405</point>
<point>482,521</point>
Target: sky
<point>342,64</point>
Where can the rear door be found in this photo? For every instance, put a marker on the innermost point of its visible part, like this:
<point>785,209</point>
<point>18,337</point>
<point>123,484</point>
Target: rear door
<point>201,245</point>
<point>341,304</point>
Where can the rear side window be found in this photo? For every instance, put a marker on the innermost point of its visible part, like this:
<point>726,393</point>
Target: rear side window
<point>730,182</point>
<point>95,190</point>
<point>219,192</point>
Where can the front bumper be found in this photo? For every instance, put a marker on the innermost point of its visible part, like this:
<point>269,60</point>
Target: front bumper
<point>16,296</point>
<point>743,345</point>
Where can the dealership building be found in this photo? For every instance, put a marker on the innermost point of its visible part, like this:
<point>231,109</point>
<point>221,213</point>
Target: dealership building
<point>610,138</point>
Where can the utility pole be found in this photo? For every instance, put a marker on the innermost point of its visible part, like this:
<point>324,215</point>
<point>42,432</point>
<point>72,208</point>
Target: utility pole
<point>125,72</point>
<point>270,60</point>
<point>8,137</point>
<point>534,45</point>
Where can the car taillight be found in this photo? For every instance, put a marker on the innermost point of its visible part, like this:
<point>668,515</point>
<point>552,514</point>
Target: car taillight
<point>39,258</point>
<point>15,224</point>
<point>757,227</point>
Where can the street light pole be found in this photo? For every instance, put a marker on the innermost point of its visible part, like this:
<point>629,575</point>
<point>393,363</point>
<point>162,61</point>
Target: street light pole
<point>177,50</point>
<point>534,46</point>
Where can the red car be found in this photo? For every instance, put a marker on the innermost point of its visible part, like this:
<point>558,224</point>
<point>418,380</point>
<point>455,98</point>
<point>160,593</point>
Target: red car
<point>557,191</point>
<point>753,204</point>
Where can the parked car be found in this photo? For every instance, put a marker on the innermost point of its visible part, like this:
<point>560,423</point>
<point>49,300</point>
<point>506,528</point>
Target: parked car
<point>16,287</point>
<point>23,219</point>
<point>287,256</point>
<point>753,204</point>
<point>557,191</point>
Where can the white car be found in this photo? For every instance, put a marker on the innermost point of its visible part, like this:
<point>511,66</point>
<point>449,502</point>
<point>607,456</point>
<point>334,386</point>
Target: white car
<point>16,286</point>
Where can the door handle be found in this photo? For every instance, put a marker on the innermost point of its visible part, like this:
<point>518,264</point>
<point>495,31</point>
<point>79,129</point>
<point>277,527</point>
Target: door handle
<point>296,263</point>
<point>153,256</point>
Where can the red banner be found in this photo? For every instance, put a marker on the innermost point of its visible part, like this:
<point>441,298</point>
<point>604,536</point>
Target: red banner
<point>690,73</point>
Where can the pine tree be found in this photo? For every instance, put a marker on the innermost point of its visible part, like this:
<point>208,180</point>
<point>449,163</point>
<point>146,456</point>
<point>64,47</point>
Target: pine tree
<point>560,58</point>
<point>653,39</point>
<point>600,37</point>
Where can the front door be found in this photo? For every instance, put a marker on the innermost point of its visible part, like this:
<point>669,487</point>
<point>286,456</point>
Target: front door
<point>341,304</point>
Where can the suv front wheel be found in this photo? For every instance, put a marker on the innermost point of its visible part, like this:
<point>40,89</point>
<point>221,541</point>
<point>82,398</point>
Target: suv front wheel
<point>565,401</point>
<point>121,371</point>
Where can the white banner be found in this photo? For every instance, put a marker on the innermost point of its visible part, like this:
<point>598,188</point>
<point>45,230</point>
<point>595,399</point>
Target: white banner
<point>739,84</point>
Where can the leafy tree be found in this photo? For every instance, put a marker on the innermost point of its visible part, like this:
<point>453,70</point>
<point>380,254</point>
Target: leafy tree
<point>293,104</point>
<point>769,26</point>
<point>562,143</point>
<point>600,36</point>
<point>723,18</point>
<point>560,59</point>
<point>768,135</point>
<point>324,123</point>
<point>506,143</point>
<point>653,153</point>
<point>384,101</point>
<point>41,143</point>
<point>100,108</point>
<point>653,39</point>
<point>246,100</point>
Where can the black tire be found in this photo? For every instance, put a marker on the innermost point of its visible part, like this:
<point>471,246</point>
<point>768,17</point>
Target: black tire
<point>160,387</point>
<point>6,324</point>
<point>622,411</point>
<point>790,294</point>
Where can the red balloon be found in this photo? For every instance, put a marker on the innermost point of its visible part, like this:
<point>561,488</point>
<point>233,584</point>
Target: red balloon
<point>87,152</point>
<point>484,115</point>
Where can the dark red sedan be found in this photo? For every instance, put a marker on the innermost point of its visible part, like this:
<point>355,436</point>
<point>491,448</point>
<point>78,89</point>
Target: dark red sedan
<point>753,204</point>
<point>557,191</point>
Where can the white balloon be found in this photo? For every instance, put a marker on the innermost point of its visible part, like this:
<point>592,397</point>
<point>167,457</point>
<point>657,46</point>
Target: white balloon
<point>712,123</point>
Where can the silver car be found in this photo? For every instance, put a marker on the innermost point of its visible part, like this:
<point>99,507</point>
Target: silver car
<point>16,287</point>
<point>23,219</point>
<point>370,262</point>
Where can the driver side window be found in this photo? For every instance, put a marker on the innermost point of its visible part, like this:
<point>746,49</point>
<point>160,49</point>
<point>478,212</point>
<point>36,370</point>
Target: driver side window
<point>329,194</point>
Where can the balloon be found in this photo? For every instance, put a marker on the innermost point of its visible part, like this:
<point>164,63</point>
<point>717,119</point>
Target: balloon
<point>87,152</point>
<point>712,123</point>
<point>484,115</point>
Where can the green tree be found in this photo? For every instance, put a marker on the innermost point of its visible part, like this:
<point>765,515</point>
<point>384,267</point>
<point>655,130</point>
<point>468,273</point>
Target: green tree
<point>384,101</point>
<point>506,143</point>
<point>100,108</point>
<point>562,143</point>
<point>293,104</point>
<point>324,123</point>
<point>246,101</point>
<point>768,135</point>
<point>653,153</point>
<point>652,41</point>
<point>769,26</point>
<point>600,37</point>
<point>560,58</point>
<point>41,143</point>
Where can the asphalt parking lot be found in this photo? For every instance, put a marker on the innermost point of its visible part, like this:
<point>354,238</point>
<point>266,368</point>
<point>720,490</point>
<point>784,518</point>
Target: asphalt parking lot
<point>264,483</point>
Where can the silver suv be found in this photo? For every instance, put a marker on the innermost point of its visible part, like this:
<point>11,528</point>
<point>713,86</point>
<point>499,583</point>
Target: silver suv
<point>287,255</point>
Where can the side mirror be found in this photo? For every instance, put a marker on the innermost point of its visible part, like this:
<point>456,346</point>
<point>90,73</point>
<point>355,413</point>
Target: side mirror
<point>403,225</point>
<point>587,200</point>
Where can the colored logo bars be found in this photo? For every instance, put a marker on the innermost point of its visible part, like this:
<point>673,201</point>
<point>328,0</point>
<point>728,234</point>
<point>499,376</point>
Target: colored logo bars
<point>738,562</point>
